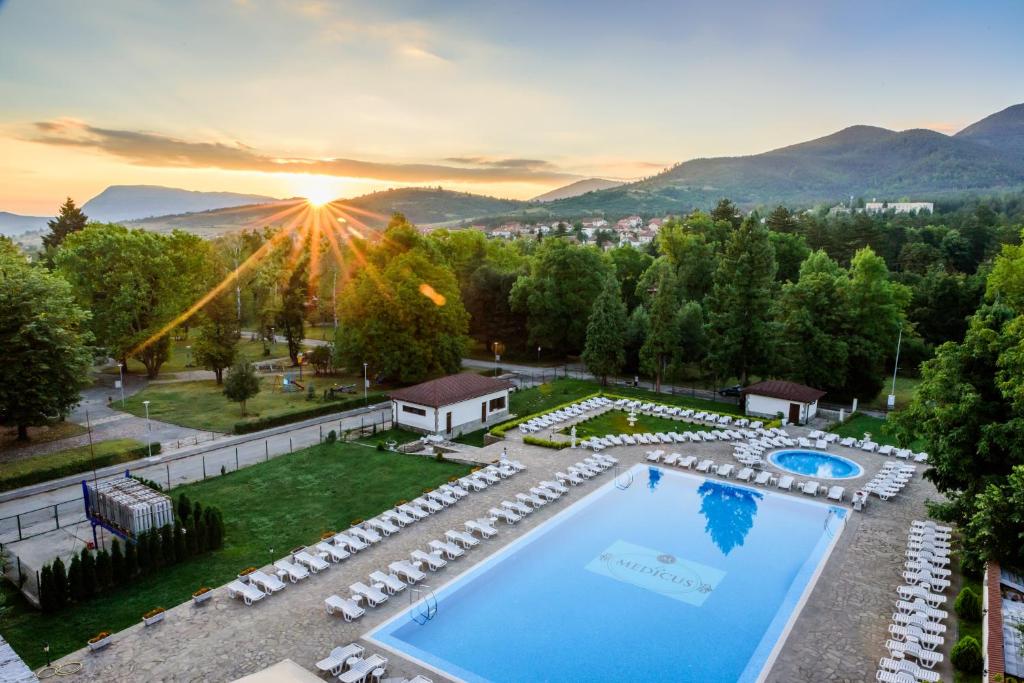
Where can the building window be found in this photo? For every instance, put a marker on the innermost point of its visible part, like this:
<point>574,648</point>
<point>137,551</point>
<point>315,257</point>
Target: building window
<point>414,411</point>
<point>497,404</point>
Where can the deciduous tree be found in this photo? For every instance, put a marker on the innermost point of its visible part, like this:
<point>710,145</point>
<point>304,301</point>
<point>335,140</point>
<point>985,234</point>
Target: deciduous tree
<point>241,383</point>
<point>604,353</point>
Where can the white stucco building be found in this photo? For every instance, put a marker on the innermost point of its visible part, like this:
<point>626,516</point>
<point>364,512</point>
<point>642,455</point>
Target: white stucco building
<point>797,403</point>
<point>451,405</point>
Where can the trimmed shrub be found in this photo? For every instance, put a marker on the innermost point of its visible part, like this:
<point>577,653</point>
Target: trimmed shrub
<point>46,590</point>
<point>180,546</point>
<point>75,466</point>
<point>966,655</point>
<point>191,540</point>
<point>88,568</point>
<point>75,589</point>
<point>545,443</point>
<point>131,561</point>
<point>968,604</point>
<point>143,553</point>
<point>200,534</point>
<point>332,436</point>
<point>380,446</point>
<point>156,550</point>
<point>184,507</point>
<point>324,409</point>
<point>104,571</point>
<point>118,568</point>
<point>167,544</point>
<point>60,584</point>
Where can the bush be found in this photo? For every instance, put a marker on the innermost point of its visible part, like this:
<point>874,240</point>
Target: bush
<point>167,544</point>
<point>60,584</point>
<point>88,567</point>
<point>142,552</point>
<point>324,409</point>
<point>545,443</point>
<point>75,589</point>
<point>968,604</point>
<point>191,540</point>
<point>332,436</point>
<point>184,507</point>
<point>380,446</point>
<point>966,655</point>
<point>46,590</point>
<point>104,571</point>
<point>118,568</point>
<point>131,561</point>
<point>180,546</point>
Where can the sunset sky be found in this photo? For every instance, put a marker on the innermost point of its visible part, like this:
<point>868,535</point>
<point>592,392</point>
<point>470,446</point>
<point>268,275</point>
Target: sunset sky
<point>502,98</point>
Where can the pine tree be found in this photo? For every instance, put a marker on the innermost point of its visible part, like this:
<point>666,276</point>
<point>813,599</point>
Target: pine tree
<point>200,534</point>
<point>131,561</point>
<point>605,350</point>
<point>167,544</point>
<point>662,340</point>
<point>46,590</point>
<point>725,210</point>
<point>76,591</point>
<point>214,528</point>
<point>104,571</point>
<point>118,568</point>
<point>156,549</point>
<point>191,538</point>
<point>69,220</point>
<point>184,507</point>
<point>739,305</point>
<point>60,585</point>
<point>143,552</point>
<point>88,566</point>
<point>180,546</point>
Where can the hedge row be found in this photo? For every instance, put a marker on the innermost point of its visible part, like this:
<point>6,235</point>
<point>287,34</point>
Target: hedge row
<point>545,443</point>
<point>304,414</point>
<point>499,430</point>
<point>69,467</point>
<point>195,531</point>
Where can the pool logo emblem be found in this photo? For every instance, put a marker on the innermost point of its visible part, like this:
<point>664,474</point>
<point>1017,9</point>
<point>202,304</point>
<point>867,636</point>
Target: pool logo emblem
<point>658,572</point>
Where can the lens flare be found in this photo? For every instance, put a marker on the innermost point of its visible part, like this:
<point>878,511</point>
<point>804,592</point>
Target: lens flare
<point>432,294</point>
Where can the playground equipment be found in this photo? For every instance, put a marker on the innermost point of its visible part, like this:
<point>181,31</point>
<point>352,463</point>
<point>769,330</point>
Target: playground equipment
<point>288,383</point>
<point>125,507</point>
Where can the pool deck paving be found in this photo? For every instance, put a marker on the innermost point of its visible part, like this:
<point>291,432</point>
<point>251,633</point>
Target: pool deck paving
<point>839,635</point>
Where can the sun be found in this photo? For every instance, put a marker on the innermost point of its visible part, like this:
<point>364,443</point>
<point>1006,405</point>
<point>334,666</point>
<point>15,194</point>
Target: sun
<point>318,196</point>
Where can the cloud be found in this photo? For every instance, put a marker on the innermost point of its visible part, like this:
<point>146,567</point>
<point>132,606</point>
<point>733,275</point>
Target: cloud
<point>153,149</point>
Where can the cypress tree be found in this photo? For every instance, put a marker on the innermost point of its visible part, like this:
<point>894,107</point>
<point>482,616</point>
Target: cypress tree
<point>142,551</point>
<point>75,590</point>
<point>201,536</point>
<point>180,547</point>
<point>88,565</point>
<point>104,571</point>
<point>191,539</point>
<point>118,568</point>
<point>197,511</point>
<point>131,561</point>
<point>605,350</point>
<point>210,519</point>
<point>167,544</point>
<point>46,592</point>
<point>184,507</point>
<point>156,549</point>
<point>60,585</point>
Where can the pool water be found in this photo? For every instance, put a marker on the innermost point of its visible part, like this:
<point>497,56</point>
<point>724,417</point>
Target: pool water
<point>657,575</point>
<point>816,464</point>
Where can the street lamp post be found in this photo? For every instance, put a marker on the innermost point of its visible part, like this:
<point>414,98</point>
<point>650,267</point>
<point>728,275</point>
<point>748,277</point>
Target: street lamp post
<point>120,372</point>
<point>149,430</point>
<point>188,356</point>
<point>538,354</point>
<point>366,401</point>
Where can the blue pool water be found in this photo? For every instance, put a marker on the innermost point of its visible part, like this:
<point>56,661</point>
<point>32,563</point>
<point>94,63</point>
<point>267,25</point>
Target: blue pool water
<point>672,578</point>
<point>816,464</point>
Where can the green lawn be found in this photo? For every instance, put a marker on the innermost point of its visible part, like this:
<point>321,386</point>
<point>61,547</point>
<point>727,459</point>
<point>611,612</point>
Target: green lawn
<point>248,350</point>
<point>202,405</point>
<point>876,426</point>
<point>54,431</point>
<point>472,438</point>
<point>906,387</point>
<point>25,471</point>
<point>967,628</point>
<point>615,422</point>
<point>268,510</point>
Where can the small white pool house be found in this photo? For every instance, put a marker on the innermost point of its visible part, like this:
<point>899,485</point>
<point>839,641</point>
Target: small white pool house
<point>452,405</point>
<point>797,403</point>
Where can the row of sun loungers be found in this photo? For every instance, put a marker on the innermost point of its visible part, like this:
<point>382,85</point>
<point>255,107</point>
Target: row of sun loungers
<point>703,416</point>
<point>890,480</point>
<point>349,666</point>
<point>569,413</point>
<point>917,627</point>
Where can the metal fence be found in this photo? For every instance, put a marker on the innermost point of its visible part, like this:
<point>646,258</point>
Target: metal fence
<point>526,380</point>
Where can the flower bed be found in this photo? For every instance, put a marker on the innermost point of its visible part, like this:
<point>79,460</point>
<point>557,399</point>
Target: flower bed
<point>154,616</point>
<point>202,595</point>
<point>100,640</point>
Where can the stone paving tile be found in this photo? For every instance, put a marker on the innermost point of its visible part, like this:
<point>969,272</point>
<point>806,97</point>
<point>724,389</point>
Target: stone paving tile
<point>839,635</point>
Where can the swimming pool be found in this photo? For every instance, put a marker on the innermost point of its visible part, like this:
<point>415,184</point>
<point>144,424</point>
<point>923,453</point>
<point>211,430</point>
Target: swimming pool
<point>671,577</point>
<point>816,464</point>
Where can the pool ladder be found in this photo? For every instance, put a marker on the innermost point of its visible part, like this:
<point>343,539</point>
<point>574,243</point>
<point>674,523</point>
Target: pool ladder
<point>422,603</point>
<point>623,477</point>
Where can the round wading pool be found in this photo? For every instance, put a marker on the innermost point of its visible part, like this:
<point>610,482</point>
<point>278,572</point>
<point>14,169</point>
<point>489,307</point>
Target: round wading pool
<point>816,464</point>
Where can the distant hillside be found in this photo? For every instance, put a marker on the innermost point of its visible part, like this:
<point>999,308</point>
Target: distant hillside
<point>422,206</point>
<point>13,224</point>
<point>576,189</point>
<point>132,202</point>
<point>1003,131</point>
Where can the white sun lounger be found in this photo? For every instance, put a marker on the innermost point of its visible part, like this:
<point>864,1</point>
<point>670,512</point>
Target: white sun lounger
<point>653,456</point>
<point>348,608</point>
<point>407,571</point>
<point>786,483</point>
<point>745,474</point>
<point>311,562</point>
<point>919,606</point>
<point>392,583</point>
<point>365,535</point>
<point>836,493</point>
<point>725,470</point>
<point>441,497</point>
<point>907,592</point>
<point>397,517</point>
<point>461,538</point>
<point>362,669</point>
<point>482,527</point>
<point>847,441</point>
<point>554,486</point>
<point>451,550</point>
<point>929,524</point>
<point>915,578</point>
<point>569,477</point>
<point>762,478</point>
<point>904,666</point>
<point>434,561</point>
<point>335,662</point>
<point>821,445</point>
<point>810,487</point>
<point>457,492</point>
<point>925,658</point>
<point>333,551</point>
<point>413,511</point>
<point>473,483</point>
<point>919,620</point>
<point>926,566</point>
<point>928,641</point>
<point>545,493</point>
<point>248,592</point>
<point>517,508</point>
<point>268,583</point>
<point>294,571</point>
<point>531,499</point>
<point>370,594</point>
<point>705,465</point>
<point>353,544</point>
<point>687,461</point>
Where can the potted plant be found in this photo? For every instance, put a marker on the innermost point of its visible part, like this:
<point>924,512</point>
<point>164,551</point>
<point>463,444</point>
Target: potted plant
<point>243,575</point>
<point>153,616</point>
<point>100,640</point>
<point>202,595</point>
<point>327,535</point>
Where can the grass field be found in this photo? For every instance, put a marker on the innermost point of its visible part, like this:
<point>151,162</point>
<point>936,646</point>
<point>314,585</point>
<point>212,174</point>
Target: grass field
<point>247,350</point>
<point>202,405</point>
<point>9,443</point>
<point>472,438</point>
<point>876,426</point>
<point>906,387</point>
<point>67,461</point>
<point>268,510</point>
<point>616,422</point>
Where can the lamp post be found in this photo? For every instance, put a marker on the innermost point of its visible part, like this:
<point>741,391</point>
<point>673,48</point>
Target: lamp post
<point>188,356</point>
<point>120,372</point>
<point>46,649</point>
<point>366,401</point>
<point>538,354</point>
<point>891,403</point>
<point>149,430</point>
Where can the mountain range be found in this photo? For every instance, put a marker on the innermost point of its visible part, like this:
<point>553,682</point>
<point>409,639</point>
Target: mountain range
<point>865,161</point>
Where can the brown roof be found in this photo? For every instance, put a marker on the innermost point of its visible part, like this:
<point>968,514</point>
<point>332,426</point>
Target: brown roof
<point>787,391</point>
<point>451,389</point>
<point>995,661</point>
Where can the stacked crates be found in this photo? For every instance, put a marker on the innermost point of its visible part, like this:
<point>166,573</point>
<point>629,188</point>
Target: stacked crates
<point>129,505</point>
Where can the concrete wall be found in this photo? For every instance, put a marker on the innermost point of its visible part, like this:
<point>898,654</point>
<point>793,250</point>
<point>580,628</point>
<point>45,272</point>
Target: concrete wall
<point>466,415</point>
